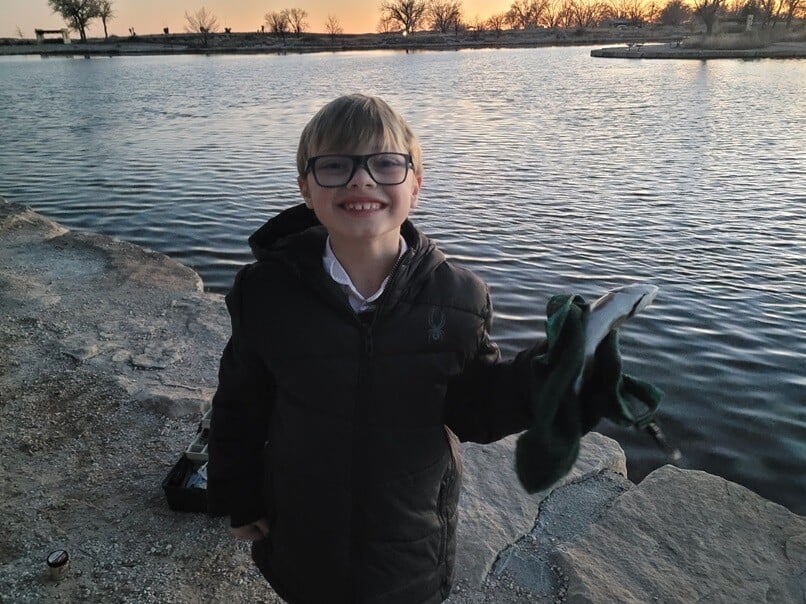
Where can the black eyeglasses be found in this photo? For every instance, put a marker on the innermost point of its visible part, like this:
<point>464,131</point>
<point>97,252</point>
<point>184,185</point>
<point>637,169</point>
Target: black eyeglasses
<point>338,170</point>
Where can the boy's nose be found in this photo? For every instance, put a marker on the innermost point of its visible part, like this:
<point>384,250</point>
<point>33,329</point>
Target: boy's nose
<point>361,177</point>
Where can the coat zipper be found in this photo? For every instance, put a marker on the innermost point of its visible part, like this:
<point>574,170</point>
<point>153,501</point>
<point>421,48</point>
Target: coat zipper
<point>369,350</point>
<point>404,259</point>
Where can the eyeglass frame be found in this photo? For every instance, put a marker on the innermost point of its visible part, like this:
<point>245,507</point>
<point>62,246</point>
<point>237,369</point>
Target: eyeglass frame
<point>359,161</point>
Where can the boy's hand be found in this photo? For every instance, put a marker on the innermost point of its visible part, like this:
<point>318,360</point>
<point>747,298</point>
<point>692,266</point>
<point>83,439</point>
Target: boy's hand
<point>253,531</point>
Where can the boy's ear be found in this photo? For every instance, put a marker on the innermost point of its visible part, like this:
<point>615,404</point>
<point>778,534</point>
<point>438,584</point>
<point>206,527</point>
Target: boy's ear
<point>302,181</point>
<point>415,190</point>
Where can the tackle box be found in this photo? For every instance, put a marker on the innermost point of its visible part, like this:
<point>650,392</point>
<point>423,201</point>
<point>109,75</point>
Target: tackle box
<point>190,470</point>
<point>182,498</point>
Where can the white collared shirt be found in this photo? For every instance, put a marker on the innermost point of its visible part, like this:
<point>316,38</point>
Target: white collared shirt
<point>336,272</point>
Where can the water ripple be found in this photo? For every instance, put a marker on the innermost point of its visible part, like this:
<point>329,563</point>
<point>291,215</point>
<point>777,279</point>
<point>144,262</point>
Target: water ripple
<point>545,172</point>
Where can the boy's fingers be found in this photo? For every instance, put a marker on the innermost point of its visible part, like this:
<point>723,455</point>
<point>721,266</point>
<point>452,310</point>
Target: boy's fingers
<point>253,531</point>
<point>241,532</point>
<point>249,532</point>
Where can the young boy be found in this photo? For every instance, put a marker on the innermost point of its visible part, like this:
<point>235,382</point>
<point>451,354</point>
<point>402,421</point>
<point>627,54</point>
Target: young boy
<point>358,355</point>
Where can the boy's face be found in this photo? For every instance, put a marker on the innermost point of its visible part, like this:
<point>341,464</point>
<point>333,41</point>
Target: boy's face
<point>362,211</point>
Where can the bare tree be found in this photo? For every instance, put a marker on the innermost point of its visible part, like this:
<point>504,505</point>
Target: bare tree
<point>585,14</point>
<point>652,11</point>
<point>553,14</point>
<point>526,14</point>
<point>333,27</point>
<point>633,11</point>
<point>460,25</point>
<point>676,12</point>
<point>708,11</point>
<point>408,14</point>
<point>77,13</point>
<point>495,23</point>
<point>387,25</point>
<point>477,24</point>
<point>739,9</point>
<point>794,9</point>
<point>278,23</point>
<point>105,13</point>
<point>769,11</point>
<point>519,15</point>
<point>566,13</point>
<point>296,20</point>
<point>638,11</point>
<point>202,22</point>
<point>444,15</point>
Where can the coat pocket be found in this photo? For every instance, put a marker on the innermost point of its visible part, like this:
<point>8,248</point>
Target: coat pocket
<point>449,508</point>
<point>261,548</point>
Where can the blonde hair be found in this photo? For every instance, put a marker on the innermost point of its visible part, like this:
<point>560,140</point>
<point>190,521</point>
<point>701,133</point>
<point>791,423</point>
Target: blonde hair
<point>351,120</point>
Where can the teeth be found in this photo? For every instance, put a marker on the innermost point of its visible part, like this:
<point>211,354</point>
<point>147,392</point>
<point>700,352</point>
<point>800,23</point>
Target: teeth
<point>363,206</point>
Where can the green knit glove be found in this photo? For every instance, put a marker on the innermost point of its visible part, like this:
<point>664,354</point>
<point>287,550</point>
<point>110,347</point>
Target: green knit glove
<point>546,452</point>
<point>609,393</point>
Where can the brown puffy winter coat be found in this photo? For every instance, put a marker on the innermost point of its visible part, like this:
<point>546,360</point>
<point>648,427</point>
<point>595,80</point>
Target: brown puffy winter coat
<point>333,425</point>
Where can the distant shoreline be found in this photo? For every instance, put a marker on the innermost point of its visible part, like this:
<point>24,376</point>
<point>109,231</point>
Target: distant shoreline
<point>658,42</point>
<point>776,50</point>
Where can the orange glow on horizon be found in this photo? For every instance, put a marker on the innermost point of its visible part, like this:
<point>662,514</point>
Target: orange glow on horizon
<point>151,16</point>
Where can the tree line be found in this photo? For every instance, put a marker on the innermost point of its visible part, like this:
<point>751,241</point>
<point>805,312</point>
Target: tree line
<point>448,15</point>
<point>409,16</point>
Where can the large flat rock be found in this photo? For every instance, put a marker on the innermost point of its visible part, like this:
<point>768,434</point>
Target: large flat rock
<point>689,536</point>
<point>495,511</point>
<point>137,316</point>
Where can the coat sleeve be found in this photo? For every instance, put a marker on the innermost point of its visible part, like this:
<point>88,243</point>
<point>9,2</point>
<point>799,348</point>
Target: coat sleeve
<point>242,406</point>
<point>490,398</point>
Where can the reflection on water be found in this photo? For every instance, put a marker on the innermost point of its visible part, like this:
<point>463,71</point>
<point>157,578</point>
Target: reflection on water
<point>546,171</point>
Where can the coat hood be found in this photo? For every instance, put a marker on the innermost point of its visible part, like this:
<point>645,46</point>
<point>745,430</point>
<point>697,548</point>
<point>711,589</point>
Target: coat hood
<point>287,223</point>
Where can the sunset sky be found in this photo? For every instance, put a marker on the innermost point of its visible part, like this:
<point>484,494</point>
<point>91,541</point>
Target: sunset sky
<point>150,16</point>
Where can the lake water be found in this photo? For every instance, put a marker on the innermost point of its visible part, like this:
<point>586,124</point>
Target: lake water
<point>546,171</point>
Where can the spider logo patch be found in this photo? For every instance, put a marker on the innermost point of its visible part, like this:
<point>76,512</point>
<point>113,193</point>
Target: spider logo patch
<point>436,325</point>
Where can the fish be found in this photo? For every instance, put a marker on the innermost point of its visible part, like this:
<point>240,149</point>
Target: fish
<point>610,312</point>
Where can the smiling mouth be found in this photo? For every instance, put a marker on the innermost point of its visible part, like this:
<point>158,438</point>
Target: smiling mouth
<point>362,206</point>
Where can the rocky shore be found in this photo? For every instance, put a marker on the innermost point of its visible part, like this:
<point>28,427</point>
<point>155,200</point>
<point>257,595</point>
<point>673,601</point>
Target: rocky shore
<point>109,353</point>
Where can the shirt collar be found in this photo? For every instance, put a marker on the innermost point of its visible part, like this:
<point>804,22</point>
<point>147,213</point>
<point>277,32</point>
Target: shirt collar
<point>336,271</point>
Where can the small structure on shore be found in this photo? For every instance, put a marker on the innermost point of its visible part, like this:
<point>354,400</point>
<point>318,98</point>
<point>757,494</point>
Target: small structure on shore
<point>41,33</point>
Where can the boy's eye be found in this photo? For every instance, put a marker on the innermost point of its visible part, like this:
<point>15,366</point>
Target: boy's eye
<point>387,162</point>
<point>334,164</point>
